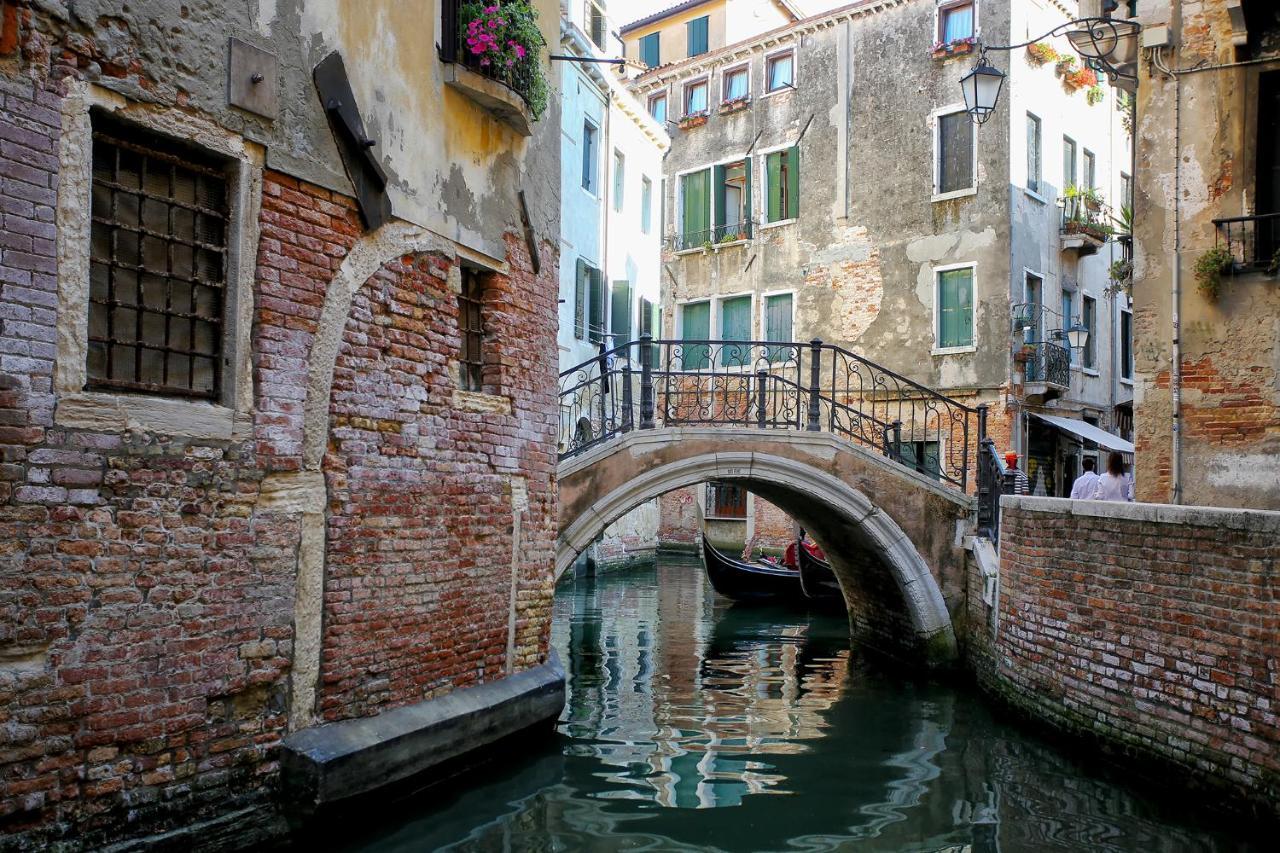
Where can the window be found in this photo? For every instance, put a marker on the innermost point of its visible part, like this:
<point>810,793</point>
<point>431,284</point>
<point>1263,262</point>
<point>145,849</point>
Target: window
<point>658,107</point>
<point>696,36</point>
<point>648,326</point>
<point>597,26</point>
<point>695,98</point>
<point>1068,162</point>
<point>955,308</point>
<point>1126,191</point>
<point>731,185</point>
<point>650,50</point>
<point>589,155</point>
<point>619,178</point>
<point>471,328</point>
<point>782,172</point>
<point>158,265</point>
<point>1068,313</point>
<point>1089,310</point>
<point>736,84</point>
<point>620,312</point>
<point>726,501</point>
<point>779,72</point>
<point>695,325</point>
<point>1126,344</point>
<point>955,153</point>
<point>1090,170</point>
<point>696,211</point>
<point>955,22</point>
<point>735,325</point>
<point>588,303</point>
<point>1033,153</point>
<point>1034,306</point>
<point>646,205</point>
<point>924,456</point>
<point>778,322</point>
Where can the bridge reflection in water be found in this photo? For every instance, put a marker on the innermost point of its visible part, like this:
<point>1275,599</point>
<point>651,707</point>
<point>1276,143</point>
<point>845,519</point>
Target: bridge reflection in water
<point>693,725</point>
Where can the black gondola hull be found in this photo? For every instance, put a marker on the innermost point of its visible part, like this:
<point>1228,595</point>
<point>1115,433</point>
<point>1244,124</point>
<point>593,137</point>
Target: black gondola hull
<point>744,581</point>
<point>817,578</point>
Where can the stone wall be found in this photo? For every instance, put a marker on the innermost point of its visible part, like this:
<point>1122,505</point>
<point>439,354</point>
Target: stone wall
<point>1150,629</point>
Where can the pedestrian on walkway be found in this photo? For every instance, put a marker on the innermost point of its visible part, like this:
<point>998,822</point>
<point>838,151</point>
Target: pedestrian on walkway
<point>1114,485</point>
<point>1082,488</point>
<point>1021,485</point>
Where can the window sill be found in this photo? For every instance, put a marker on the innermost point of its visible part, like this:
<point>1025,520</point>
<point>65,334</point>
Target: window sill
<point>480,403</point>
<point>741,518</point>
<point>1089,371</point>
<point>107,412</point>
<point>954,194</point>
<point>953,350</point>
<point>1030,193</point>
<point>1124,381</point>
<point>497,98</point>
<point>781,222</point>
<point>779,91</point>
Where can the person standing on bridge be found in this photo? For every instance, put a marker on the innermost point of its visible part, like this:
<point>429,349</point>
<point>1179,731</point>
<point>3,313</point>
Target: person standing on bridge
<point>1114,485</point>
<point>1082,488</point>
<point>1021,485</point>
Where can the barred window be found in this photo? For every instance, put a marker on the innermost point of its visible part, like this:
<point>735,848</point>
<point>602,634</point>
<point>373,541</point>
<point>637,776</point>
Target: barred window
<point>158,264</point>
<point>471,327</point>
<point>726,501</point>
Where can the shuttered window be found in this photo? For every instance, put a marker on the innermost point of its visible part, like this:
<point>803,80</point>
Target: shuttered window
<point>726,501</point>
<point>696,209</point>
<point>619,179</point>
<point>955,308</point>
<point>648,326</point>
<point>735,325</point>
<point>955,152</point>
<point>1068,162</point>
<point>1033,153</point>
<point>782,170</point>
<point>595,286</point>
<point>650,50</point>
<point>1089,312</point>
<point>777,324</point>
<point>580,280</point>
<point>695,325</point>
<point>924,456</point>
<point>696,35</point>
<point>620,312</point>
<point>646,205</point>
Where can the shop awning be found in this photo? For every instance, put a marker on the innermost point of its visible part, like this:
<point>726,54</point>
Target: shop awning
<point>1089,432</point>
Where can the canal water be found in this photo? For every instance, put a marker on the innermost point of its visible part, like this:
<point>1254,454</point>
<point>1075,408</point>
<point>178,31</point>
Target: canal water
<point>695,724</point>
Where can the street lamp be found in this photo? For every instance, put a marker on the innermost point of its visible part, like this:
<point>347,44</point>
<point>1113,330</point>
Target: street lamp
<point>1106,43</point>
<point>1078,335</point>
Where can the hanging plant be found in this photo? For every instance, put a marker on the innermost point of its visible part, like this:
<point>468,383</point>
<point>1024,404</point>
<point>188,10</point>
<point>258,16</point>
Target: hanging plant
<point>1095,94</point>
<point>502,41</point>
<point>1041,53</point>
<point>1064,66</point>
<point>1080,78</point>
<point>1209,269</point>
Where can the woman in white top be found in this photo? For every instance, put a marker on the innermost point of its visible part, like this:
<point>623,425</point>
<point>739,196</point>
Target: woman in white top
<point>1113,485</point>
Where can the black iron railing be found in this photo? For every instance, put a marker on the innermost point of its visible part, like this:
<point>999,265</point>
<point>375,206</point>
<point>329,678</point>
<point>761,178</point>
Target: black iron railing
<point>1047,362</point>
<point>1082,215</point>
<point>1254,241</point>
<point>706,238</point>
<point>994,480</point>
<point>768,385</point>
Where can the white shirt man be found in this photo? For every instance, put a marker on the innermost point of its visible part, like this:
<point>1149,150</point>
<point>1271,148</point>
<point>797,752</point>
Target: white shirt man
<point>1082,488</point>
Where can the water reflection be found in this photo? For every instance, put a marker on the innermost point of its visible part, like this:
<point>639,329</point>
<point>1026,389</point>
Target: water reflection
<point>695,725</point>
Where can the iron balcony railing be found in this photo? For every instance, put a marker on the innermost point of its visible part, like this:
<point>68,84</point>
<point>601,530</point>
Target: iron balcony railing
<point>709,237</point>
<point>522,77</point>
<point>1047,362</point>
<point>1083,216</point>
<point>1253,241</point>
<point>768,385</point>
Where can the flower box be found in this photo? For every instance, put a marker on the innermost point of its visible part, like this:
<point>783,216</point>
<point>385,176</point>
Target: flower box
<point>500,41</point>
<point>959,47</point>
<point>735,105</point>
<point>693,120</point>
<point>1041,53</point>
<point>1089,229</point>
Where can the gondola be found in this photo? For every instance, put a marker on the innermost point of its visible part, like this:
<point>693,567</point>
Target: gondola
<point>817,579</point>
<point>743,581</point>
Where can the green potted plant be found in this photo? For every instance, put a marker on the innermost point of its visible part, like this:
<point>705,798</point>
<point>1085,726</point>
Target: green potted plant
<point>1095,95</point>
<point>501,40</point>
<point>1209,269</point>
<point>1041,53</point>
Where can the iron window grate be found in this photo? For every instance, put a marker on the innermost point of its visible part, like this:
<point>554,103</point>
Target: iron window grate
<point>157,270</point>
<point>471,327</point>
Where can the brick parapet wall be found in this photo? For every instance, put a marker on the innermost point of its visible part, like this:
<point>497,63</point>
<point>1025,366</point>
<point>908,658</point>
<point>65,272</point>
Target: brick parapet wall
<point>1152,629</point>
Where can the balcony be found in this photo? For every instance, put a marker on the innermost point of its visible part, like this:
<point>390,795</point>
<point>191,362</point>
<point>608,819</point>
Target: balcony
<point>711,238</point>
<point>1253,241</point>
<point>1086,223</point>
<point>496,65</point>
<point>1046,370</point>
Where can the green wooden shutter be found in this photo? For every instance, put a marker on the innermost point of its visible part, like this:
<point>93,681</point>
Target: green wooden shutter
<point>735,325</point>
<point>955,308</point>
<point>746,201</point>
<point>717,189</point>
<point>773,188</point>
<point>695,325</point>
<point>777,325</point>
<point>580,300</point>
<point>650,50</point>
<point>793,182</point>
<point>696,214</point>
<point>932,459</point>
<point>696,36</point>
<point>620,312</point>
<point>595,331</point>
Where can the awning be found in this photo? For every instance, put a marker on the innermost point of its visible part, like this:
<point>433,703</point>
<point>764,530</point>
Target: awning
<point>1088,432</point>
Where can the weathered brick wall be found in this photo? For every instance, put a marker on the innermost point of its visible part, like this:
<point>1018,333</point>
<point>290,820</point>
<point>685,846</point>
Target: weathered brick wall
<point>678,518</point>
<point>773,528</point>
<point>1152,629</point>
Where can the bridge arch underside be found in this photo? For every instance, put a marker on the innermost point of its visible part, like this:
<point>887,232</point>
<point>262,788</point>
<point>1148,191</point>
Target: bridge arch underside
<point>891,534</point>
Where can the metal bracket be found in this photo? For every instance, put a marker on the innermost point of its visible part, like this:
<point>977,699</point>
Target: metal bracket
<point>354,145</point>
<point>253,79</point>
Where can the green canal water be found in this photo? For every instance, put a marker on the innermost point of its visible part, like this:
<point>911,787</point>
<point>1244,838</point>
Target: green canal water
<point>693,724</point>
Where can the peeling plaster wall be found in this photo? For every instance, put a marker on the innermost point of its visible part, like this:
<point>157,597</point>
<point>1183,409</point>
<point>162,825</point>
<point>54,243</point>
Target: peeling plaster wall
<point>1231,347</point>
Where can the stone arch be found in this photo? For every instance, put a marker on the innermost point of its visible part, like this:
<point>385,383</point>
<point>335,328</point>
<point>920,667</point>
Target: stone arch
<point>824,503</point>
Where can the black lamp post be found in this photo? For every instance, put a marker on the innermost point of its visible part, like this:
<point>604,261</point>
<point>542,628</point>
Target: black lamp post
<point>1106,43</point>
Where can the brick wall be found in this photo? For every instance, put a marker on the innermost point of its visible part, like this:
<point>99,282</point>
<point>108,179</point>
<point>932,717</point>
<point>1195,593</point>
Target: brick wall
<point>678,518</point>
<point>1149,628</point>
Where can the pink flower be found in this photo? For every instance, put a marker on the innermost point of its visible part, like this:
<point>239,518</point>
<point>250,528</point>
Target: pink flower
<point>520,51</point>
<point>489,10</point>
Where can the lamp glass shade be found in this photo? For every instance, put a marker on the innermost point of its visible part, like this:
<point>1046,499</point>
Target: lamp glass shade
<point>1078,336</point>
<point>981,88</point>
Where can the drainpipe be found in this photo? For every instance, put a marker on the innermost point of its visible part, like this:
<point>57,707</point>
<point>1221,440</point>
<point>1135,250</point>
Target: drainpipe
<point>1175,371</point>
<point>605,190</point>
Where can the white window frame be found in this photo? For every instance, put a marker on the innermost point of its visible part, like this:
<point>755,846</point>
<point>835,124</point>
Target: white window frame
<point>705,79</point>
<point>1026,180</point>
<point>711,199</point>
<point>765,91</point>
<point>764,308</point>
<point>943,5</point>
<point>724,80</point>
<point>1119,348</point>
<point>935,127</point>
<point>618,185</point>
<point>973,313</point>
<point>646,205</point>
<point>763,155</point>
<point>648,103</point>
<point>229,417</point>
<point>1093,334</point>
<point>594,192</point>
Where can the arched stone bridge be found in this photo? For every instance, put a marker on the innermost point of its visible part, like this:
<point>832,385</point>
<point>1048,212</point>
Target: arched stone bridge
<point>876,467</point>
